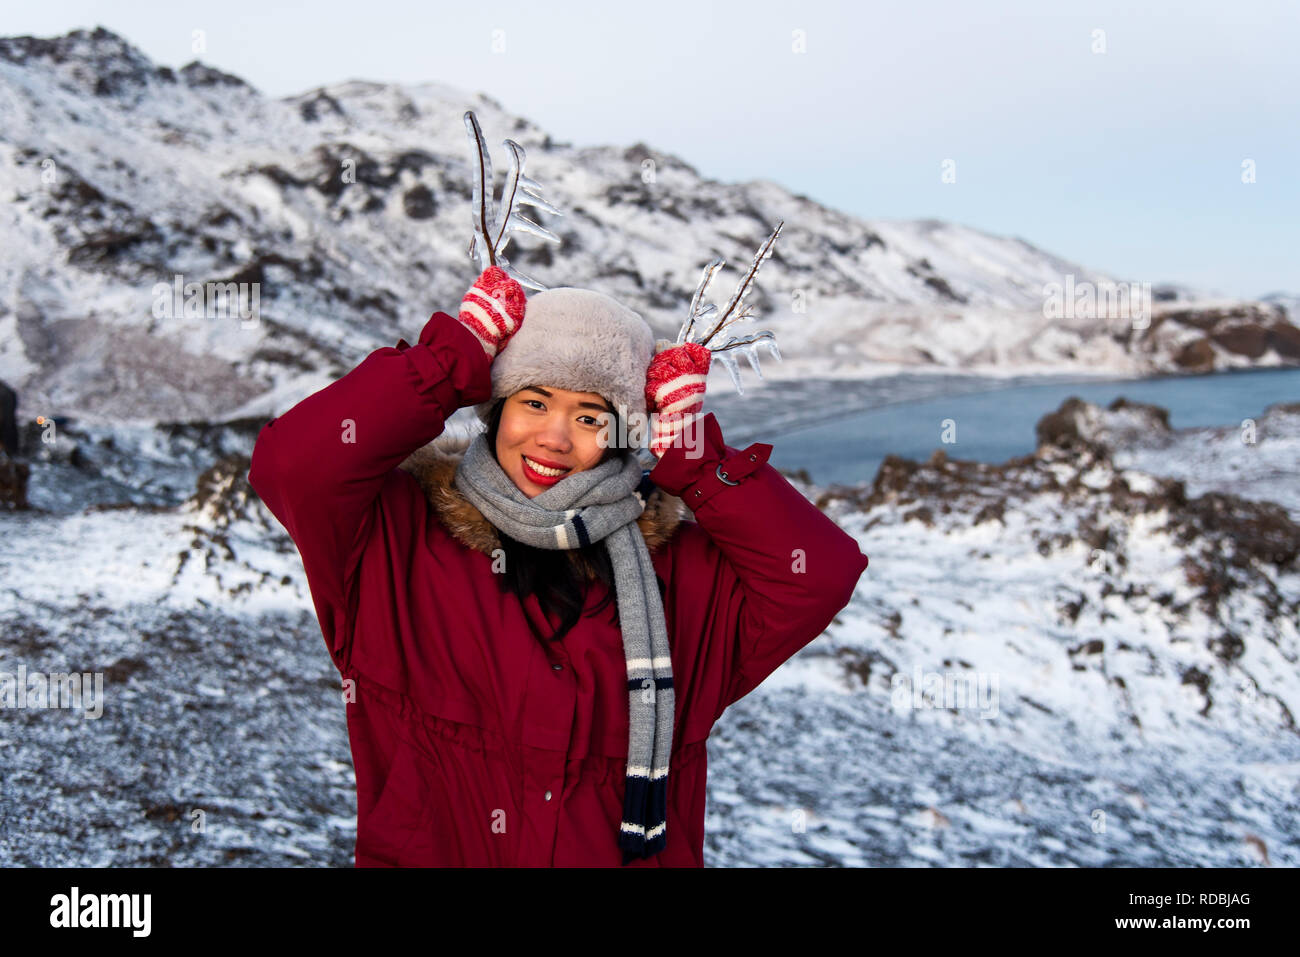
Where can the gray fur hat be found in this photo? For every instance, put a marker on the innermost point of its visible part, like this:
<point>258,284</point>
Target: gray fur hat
<point>579,340</point>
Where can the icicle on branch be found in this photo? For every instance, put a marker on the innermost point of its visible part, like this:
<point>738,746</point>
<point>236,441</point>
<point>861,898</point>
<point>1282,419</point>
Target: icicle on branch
<point>736,312</point>
<point>492,228</point>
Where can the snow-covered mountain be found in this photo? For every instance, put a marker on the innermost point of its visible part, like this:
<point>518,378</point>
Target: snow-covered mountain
<point>349,206</point>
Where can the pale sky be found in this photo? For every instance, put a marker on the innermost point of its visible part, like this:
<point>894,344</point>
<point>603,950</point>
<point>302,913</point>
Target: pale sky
<point>1128,161</point>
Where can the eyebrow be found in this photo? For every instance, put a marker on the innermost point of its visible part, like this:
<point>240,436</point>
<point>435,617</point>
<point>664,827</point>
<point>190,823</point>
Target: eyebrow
<point>581,405</point>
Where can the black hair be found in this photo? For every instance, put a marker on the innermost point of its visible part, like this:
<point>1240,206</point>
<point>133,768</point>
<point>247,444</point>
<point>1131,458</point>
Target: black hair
<point>559,579</point>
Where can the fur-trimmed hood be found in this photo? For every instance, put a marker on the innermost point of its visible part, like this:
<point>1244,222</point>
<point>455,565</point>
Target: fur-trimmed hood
<point>434,467</point>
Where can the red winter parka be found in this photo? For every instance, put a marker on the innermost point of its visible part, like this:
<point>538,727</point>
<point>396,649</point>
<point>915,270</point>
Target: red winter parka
<point>473,744</point>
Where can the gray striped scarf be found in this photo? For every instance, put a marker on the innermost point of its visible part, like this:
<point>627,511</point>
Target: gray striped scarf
<point>602,504</point>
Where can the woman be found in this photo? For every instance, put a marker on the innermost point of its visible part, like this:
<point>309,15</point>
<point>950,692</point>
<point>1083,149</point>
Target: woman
<point>535,642</point>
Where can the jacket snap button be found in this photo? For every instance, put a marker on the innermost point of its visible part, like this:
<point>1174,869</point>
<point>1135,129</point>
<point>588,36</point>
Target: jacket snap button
<point>697,491</point>
<point>557,667</point>
<point>753,458</point>
<point>548,795</point>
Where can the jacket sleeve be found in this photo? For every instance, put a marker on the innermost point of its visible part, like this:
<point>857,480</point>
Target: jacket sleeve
<point>779,570</point>
<point>321,465</point>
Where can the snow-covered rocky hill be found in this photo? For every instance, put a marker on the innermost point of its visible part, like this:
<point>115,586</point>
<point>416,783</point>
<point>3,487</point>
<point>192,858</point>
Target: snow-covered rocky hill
<point>348,206</point>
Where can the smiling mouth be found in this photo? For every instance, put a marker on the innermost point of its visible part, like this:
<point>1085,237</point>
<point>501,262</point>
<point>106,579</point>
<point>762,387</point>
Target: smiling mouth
<point>543,470</point>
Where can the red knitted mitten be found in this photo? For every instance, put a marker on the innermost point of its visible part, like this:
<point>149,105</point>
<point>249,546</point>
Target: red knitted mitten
<point>493,309</point>
<point>674,391</point>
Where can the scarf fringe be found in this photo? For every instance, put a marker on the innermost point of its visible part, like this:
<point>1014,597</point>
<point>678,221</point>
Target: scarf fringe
<point>644,830</point>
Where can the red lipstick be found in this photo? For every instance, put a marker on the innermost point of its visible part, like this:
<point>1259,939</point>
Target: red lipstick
<point>538,477</point>
<point>547,463</point>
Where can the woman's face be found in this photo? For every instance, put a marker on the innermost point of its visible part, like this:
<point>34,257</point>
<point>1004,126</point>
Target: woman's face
<point>545,426</point>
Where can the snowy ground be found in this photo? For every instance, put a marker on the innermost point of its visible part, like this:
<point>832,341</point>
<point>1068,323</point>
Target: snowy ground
<point>218,696</point>
<point>1127,725</point>
<point>1264,466</point>
<point>1133,722</point>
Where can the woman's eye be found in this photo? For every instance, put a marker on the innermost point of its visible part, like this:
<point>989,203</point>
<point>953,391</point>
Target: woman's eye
<point>537,404</point>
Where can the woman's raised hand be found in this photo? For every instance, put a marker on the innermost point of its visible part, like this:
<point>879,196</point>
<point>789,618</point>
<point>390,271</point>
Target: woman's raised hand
<point>674,391</point>
<point>493,309</point>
